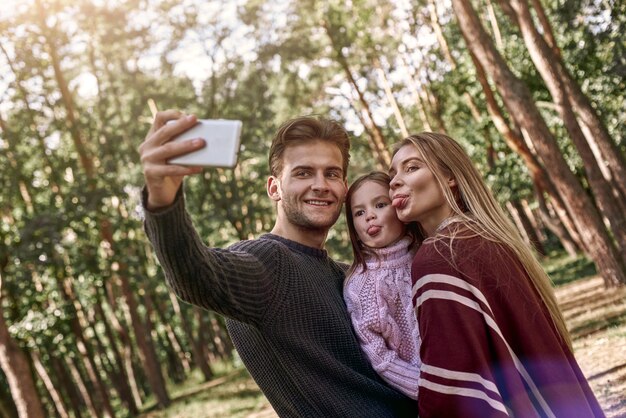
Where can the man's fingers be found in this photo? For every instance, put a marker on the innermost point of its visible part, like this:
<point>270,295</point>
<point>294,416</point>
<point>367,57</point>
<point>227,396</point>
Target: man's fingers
<point>161,171</point>
<point>166,132</point>
<point>172,149</point>
<point>162,117</point>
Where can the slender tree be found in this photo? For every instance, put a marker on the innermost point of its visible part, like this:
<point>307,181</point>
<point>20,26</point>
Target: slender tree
<point>564,228</point>
<point>518,99</point>
<point>17,369</point>
<point>146,347</point>
<point>49,384</point>
<point>611,203</point>
<point>379,143</point>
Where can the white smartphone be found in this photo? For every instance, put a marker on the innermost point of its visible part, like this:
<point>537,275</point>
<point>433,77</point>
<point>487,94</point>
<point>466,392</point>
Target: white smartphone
<point>222,143</point>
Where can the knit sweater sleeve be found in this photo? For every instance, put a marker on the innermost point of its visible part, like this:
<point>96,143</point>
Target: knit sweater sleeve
<point>236,284</point>
<point>378,336</point>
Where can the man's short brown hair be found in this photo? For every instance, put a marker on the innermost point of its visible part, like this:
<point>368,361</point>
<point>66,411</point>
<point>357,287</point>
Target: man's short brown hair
<point>308,128</point>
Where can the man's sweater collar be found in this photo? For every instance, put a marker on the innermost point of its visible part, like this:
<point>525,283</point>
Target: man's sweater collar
<point>296,246</point>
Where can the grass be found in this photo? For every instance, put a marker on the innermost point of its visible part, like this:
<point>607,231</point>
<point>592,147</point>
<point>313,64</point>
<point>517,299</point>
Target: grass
<point>595,316</point>
<point>563,269</point>
<point>233,394</point>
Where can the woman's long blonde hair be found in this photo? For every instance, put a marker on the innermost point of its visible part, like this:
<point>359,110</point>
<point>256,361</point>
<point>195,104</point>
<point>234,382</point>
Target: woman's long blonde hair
<point>473,203</point>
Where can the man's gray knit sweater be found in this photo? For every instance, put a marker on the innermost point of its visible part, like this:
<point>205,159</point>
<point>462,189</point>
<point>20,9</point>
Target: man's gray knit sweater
<point>286,317</point>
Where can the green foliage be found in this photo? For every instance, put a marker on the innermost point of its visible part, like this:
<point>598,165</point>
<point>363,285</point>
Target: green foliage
<point>591,37</point>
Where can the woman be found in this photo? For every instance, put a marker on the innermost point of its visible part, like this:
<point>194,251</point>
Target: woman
<point>493,340</point>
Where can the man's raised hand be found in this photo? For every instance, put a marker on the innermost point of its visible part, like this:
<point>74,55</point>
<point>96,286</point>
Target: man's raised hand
<point>162,179</point>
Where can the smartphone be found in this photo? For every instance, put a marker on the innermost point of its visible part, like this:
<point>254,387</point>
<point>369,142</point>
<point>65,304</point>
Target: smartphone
<point>222,138</point>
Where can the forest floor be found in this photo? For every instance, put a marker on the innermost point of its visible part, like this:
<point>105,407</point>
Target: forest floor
<point>596,318</point>
<point>597,321</point>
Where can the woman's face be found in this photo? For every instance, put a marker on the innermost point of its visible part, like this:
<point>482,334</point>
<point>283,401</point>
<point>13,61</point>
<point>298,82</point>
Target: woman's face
<point>414,191</point>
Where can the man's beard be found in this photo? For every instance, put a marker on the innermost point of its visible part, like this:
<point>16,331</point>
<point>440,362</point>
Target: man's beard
<point>300,219</point>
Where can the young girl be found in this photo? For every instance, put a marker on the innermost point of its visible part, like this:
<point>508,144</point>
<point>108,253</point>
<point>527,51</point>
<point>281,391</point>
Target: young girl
<point>378,285</point>
<point>493,340</point>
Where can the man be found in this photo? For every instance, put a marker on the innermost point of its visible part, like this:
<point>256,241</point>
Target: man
<point>281,293</point>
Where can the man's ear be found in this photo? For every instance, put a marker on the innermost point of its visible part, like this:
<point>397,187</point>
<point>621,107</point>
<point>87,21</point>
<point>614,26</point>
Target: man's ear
<point>273,188</point>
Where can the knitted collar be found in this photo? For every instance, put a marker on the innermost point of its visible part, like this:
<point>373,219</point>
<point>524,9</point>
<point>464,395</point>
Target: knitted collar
<point>392,256</point>
<point>296,246</point>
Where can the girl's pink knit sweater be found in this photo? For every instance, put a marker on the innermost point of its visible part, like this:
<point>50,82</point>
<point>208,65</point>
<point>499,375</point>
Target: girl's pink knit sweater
<point>379,303</point>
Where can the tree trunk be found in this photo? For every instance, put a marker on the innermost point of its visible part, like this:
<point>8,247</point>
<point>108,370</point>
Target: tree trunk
<point>7,406</point>
<point>515,141</point>
<point>434,23</point>
<point>553,75</point>
<point>77,327</point>
<point>176,368</point>
<point>65,381</point>
<point>534,220</point>
<point>557,228</point>
<point>120,376</point>
<point>45,378</point>
<point>200,345</point>
<point>514,215</point>
<point>379,144</point>
<point>529,231</point>
<point>148,355</point>
<point>82,387</point>
<point>220,337</point>
<point>596,132</point>
<point>518,99</point>
<point>390,98</point>
<point>435,105</point>
<point>546,27</point>
<point>171,364</point>
<point>493,21</point>
<point>196,349</point>
<point>443,45</point>
<point>114,371</point>
<point>146,347</point>
<point>101,396</point>
<point>421,109</point>
<point>19,375</point>
<point>68,102</point>
<point>126,345</point>
<point>610,159</point>
<point>214,351</point>
<point>173,338</point>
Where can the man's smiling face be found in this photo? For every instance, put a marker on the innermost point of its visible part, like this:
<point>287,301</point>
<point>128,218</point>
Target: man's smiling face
<point>311,188</point>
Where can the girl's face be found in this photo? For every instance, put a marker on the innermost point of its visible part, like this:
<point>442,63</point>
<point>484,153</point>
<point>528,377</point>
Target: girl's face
<point>375,220</point>
<point>414,191</point>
